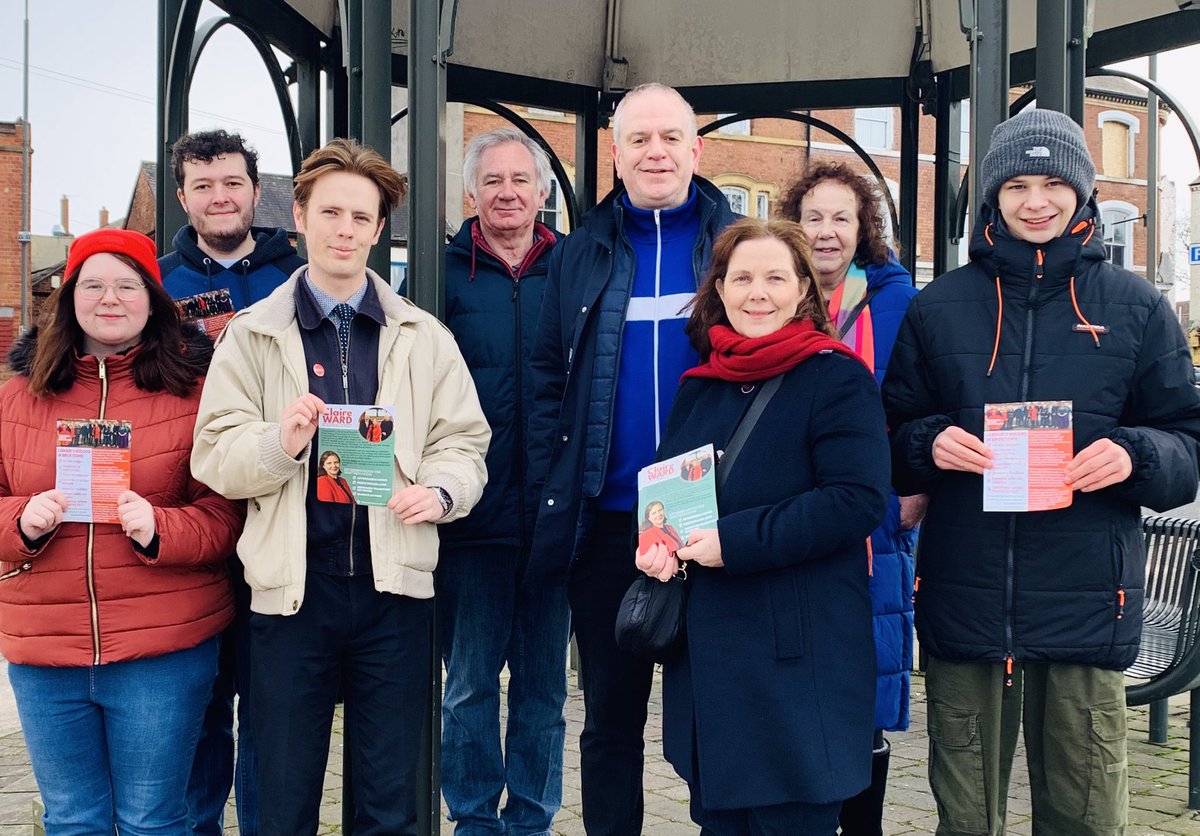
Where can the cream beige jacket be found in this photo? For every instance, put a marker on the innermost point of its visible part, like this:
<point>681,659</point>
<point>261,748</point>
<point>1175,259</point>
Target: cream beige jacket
<point>259,369</point>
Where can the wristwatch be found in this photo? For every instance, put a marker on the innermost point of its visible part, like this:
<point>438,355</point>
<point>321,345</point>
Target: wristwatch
<point>444,497</point>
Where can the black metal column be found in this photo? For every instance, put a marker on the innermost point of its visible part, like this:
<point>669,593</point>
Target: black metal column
<point>427,159</point>
<point>1152,153</point>
<point>1077,60</point>
<point>989,83</point>
<point>947,175</point>
<point>1053,21</point>
<point>308,105</point>
<point>587,130</point>
<point>906,235</point>
<point>176,27</point>
<point>427,287</point>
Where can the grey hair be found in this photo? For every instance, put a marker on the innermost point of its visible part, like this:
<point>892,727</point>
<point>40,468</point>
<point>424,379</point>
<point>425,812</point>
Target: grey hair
<point>482,142</point>
<point>646,88</point>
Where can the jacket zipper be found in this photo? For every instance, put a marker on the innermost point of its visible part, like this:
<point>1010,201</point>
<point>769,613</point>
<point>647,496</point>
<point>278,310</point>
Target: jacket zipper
<point>93,603</point>
<point>1010,550</point>
<point>346,394</point>
<point>24,567</point>
<point>519,397</point>
<point>657,294</point>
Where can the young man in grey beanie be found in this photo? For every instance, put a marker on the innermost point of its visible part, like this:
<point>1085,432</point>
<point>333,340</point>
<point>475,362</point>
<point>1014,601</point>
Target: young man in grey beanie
<point>1035,614</point>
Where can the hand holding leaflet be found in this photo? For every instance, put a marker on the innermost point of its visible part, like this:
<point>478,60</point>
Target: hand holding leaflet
<point>137,518</point>
<point>43,513</point>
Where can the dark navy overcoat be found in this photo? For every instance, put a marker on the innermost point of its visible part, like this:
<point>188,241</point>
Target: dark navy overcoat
<point>777,686</point>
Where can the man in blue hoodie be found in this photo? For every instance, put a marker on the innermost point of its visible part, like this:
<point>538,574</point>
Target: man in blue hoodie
<point>221,249</point>
<point>609,351</point>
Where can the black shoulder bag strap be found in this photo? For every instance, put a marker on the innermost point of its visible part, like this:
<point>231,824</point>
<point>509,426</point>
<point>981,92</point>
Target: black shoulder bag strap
<point>745,427</point>
<point>854,314</point>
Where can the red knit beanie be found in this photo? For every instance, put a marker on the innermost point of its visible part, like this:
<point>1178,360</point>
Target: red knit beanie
<point>117,241</point>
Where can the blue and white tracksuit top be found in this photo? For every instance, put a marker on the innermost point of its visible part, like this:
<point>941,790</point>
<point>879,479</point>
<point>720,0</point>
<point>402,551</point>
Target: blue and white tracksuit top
<point>655,351</point>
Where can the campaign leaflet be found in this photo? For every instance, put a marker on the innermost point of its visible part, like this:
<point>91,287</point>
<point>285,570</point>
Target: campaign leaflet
<point>92,464</point>
<point>676,497</point>
<point>356,454</point>
<point>1031,444</point>
<point>210,312</point>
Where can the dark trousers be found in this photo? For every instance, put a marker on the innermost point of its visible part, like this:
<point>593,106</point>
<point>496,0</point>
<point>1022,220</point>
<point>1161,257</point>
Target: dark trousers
<point>616,685</point>
<point>375,648</point>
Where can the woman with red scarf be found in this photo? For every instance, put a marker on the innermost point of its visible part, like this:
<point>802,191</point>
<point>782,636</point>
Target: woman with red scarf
<point>769,711</point>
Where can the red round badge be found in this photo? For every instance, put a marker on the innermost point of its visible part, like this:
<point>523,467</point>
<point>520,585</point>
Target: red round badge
<point>318,370</point>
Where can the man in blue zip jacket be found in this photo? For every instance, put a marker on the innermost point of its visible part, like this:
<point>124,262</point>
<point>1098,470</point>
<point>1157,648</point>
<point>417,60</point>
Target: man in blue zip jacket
<point>609,353</point>
<point>219,248</point>
<point>495,277</point>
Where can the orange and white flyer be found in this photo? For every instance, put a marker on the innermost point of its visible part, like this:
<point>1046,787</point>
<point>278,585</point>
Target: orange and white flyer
<point>1032,443</point>
<point>92,467</point>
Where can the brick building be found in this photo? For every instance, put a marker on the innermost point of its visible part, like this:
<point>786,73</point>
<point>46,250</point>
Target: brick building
<point>12,138</point>
<point>755,161</point>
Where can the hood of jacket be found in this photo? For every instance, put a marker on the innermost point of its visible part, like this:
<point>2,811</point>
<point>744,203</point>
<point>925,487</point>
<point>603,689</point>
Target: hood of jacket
<point>270,245</point>
<point>1002,254</point>
<point>890,273</point>
<point>20,357</point>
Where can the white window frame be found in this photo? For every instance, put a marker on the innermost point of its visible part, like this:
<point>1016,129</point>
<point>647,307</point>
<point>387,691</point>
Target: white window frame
<point>1128,120</point>
<point>737,193</point>
<point>741,128</point>
<point>551,213</point>
<point>875,115</point>
<point>1126,211</point>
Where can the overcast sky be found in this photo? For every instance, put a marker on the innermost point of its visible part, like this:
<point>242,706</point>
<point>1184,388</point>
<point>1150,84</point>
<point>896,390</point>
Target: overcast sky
<point>91,101</point>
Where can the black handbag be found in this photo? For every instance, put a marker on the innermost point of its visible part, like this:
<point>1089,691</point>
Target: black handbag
<point>651,618</point>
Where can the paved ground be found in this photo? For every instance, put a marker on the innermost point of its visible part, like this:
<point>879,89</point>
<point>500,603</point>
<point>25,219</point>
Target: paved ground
<point>1158,779</point>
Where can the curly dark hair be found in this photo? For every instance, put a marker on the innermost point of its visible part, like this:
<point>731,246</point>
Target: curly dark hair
<point>707,307</point>
<point>872,237</point>
<point>205,146</point>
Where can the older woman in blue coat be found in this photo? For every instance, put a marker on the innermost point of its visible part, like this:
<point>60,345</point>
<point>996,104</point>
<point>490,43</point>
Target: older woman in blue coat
<point>769,709</point>
<point>867,292</point>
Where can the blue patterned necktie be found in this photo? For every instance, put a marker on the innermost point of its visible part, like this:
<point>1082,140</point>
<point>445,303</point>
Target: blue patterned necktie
<point>344,314</point>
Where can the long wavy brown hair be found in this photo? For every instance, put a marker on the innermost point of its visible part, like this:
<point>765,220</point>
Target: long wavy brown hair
<point>707,307</point>
<point>161,364</point>
<point>872,234</point>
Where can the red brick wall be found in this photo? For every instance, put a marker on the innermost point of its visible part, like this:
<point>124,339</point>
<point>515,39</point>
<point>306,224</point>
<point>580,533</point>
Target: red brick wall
<point>11,139</point>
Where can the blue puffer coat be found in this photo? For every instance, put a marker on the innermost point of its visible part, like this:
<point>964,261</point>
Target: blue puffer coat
<point>493,316</point>
<point>891,546</point>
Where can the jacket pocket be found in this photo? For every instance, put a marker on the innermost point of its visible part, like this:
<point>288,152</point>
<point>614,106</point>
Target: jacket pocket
<point>785,616</point>
<point>408,463</point>
<point>956,767</point>
<point>1108,780</point>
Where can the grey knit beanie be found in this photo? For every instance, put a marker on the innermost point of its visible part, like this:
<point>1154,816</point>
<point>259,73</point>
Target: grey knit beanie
<point>1037,142</point>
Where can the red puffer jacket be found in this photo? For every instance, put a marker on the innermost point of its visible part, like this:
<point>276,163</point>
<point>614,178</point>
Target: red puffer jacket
<point>85,596</point>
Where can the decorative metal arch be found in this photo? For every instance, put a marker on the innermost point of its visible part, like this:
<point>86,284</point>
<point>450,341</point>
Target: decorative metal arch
<point>825,126</point>
<point>560,173</point>
<point>1019,104</point>
<point>278,82</point>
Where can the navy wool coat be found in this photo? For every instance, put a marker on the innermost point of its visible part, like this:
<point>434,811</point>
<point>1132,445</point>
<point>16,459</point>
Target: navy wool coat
<point>777,685</point>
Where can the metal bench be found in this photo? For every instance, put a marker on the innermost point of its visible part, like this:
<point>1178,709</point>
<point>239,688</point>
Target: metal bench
<point>1169,659</point>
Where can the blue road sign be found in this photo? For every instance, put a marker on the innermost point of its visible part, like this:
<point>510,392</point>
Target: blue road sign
<point>1194,254</point>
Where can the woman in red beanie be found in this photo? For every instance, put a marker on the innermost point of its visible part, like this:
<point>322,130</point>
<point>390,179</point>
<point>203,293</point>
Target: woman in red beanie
<point>109,629</point>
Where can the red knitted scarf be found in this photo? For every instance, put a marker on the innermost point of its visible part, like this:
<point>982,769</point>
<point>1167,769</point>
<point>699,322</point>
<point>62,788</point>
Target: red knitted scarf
<point>744,359</point>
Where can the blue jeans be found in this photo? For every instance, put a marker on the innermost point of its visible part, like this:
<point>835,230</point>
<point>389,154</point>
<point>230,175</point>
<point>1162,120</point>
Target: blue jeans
<point>213,770</point>
<point>111,745</point>
<point>486,619</point>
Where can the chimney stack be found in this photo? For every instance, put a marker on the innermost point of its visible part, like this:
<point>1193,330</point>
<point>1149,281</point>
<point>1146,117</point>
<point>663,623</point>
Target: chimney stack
<point>103,217</point>
<point>65,211</point>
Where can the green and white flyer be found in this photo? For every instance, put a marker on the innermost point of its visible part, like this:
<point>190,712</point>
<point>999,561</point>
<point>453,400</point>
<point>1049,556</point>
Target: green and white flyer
<point>356,454</point>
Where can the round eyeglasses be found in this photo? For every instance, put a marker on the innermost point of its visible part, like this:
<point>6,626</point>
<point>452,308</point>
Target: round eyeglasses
<point>94,290</point>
